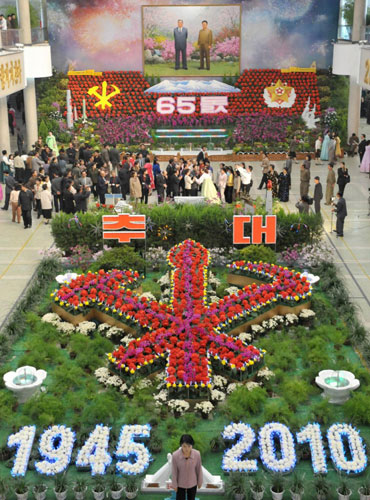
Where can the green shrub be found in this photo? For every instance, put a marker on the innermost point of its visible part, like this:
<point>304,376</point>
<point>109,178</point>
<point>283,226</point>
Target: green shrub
<point>45,409</point>
<point>357,409</point>
<point>103,408</point>
<point>277,410</point>
<point>323,412</point>
<point>258,253</point>
<point>243,402</point>
<point>206,224</point>
<point>123,257</point>
<point>295,391</point>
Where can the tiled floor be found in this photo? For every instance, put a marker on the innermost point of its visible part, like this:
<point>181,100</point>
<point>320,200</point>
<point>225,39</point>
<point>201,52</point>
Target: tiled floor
<point>19,257</point>
<point>19,248</point>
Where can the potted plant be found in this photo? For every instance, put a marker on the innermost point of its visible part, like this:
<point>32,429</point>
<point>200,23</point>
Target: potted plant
<point>321,488</point>
<point>60,487</point>
<point>130,487</point>
<point>4,486</point>
<point>116,488</point>
<point>39,491</point>
<point>80,488</point>
<point>21,489</point>
<point>343,491</point>
<point>98,489</point>
<point>277,487</point>
<point>257,488</point>
<point>155,443</point>
<point>364,491</point>
<point>236,486</point>
<point>296,488</point>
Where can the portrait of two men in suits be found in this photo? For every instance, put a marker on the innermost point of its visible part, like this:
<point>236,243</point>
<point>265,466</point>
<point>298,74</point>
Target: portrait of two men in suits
<point>205,40</point>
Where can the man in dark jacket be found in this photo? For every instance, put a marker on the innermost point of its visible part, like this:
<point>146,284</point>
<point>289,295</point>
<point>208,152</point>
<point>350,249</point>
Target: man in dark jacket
<point>160,184</point>
<point>56,191</point>
<point>9,185</point>
<point>341,210</point>
<point>362,147</point>
<point>124,179</point>
<point>81,199</point>
<point>317,194</point>
<point>102,186</point>
<point>114,156</point>
<point>25,201</point>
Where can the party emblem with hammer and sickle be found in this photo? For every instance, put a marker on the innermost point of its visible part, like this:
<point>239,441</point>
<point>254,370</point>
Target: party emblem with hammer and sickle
<point>103,97</point>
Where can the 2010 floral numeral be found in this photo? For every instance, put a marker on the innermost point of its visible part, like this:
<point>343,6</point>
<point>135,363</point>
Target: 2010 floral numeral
<point>269,435</point>
<point>358,461</point>
<point>94,451</point>
<point>136,454</point>
<point>56,445</point>
<point>311,434</point>
<point>232,460</point>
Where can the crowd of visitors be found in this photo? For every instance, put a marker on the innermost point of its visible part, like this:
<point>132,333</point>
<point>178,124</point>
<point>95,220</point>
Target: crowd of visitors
<point>64,179</point>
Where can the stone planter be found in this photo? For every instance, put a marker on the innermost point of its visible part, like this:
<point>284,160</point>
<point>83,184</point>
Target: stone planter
<point>40,495</point>
<point>60,495</point>
<point>276,495</point>
<point>21,496</point>
<point>116,494</point>
<point>80,495</point>
<point>295,496</point>
<point>257,495</point>
<point>239,496</point>
<point>130,494</point>
<point>343,497</point>
<point>362,496</point>
<point>98,495</point>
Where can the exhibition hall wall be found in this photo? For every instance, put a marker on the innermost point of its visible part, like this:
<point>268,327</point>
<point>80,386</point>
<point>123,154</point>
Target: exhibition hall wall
<point>108,36</point>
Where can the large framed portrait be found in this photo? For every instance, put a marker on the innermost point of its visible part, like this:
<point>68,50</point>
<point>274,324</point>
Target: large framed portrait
<point>191,40</point>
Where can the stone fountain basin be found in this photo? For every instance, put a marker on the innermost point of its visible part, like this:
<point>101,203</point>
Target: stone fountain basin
<point>337,394</point>
<point>23,392</point>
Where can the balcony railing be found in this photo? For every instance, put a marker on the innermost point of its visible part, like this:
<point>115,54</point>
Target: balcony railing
<point>9,38</point>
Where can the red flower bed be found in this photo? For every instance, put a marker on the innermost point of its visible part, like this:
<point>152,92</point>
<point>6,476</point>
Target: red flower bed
<point>133,100</point>
<point>187,333</point>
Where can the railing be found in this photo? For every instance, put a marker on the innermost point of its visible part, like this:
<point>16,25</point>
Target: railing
<point>9,38</point>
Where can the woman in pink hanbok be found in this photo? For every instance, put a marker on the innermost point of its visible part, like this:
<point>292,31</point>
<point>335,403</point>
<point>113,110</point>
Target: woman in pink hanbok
<point>365,164</point>
<point>149,170</point>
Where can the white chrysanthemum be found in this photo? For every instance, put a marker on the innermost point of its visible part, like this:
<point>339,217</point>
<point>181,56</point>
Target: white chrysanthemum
<point>245,337</point>
<point>265,373</point>
<point>252,385</point>
<point>114,381</point>
<point>307,313</point>
<point>219,381</point>
<point>217,395</point>
<point>204,407</point>
<point>52,318</point>
<point>86,327</point>
<point>65,327</point>
<point>103,327</point>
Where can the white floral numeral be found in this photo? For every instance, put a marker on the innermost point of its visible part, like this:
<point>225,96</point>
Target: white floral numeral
<point>95,451</point>
<point>311,434</point>
<point>136,454</point>
<point>232,459</point>
<point>358,461</point>
<point>23,440</point>
<point>282,459</point>
<point>56,445</point>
